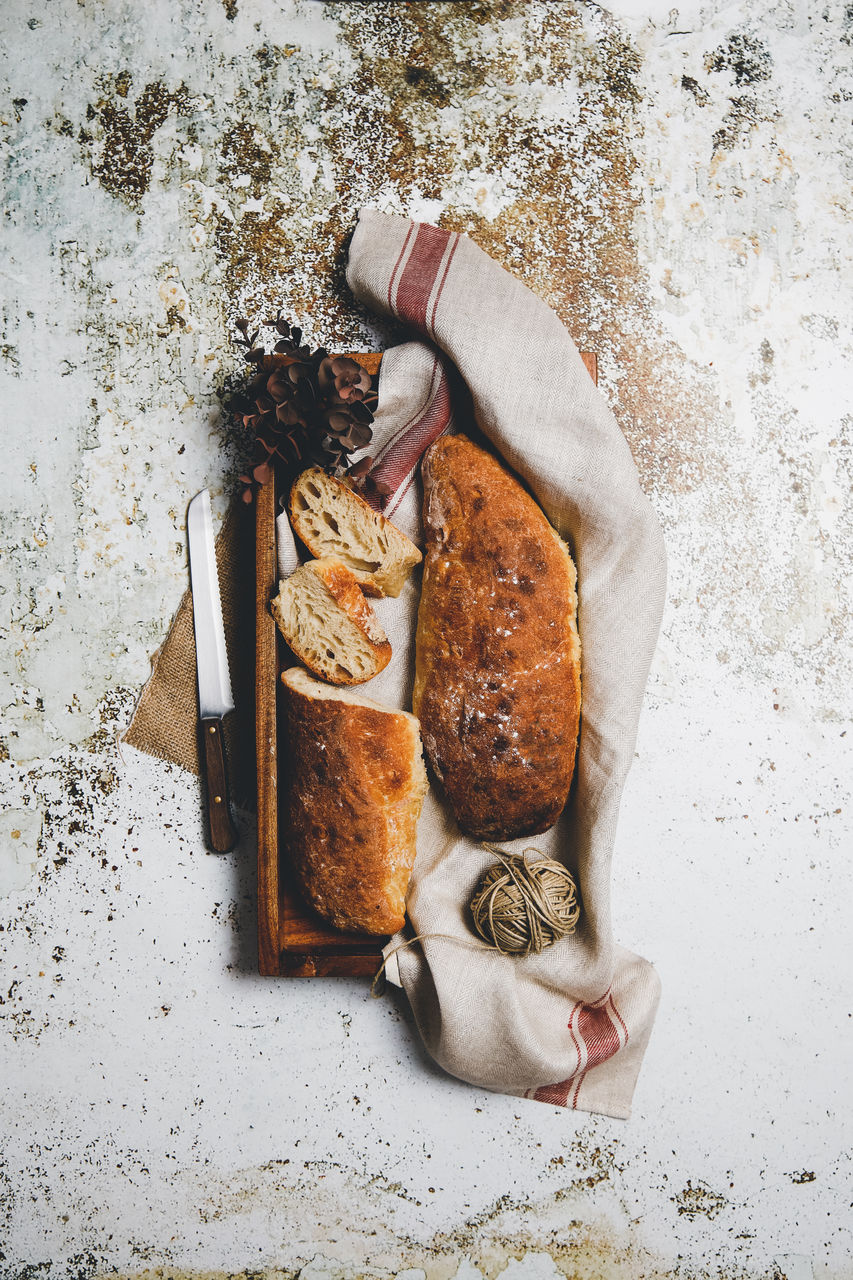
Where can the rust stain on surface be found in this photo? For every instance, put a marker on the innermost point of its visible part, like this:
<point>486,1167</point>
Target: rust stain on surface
<point>416,106</point>
<point>117,137</point>
<point>699,1200</point>
<point>575,1250</point>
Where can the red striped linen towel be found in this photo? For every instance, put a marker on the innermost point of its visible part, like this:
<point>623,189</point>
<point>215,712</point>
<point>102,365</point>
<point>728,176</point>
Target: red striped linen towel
<point>569,1026</point>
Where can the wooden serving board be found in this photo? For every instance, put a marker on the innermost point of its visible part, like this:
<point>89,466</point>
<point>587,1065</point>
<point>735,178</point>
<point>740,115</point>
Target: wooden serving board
<point>292,940</point>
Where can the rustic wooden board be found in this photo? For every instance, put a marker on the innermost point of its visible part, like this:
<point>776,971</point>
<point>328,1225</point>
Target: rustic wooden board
<point>292,940</point>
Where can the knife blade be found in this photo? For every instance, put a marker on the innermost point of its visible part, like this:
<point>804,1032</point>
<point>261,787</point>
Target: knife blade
<point>215,699</point>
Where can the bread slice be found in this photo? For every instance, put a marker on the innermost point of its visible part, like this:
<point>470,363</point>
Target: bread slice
<point>329,625</point>
<point>354,783</point>
<point>332,520</point>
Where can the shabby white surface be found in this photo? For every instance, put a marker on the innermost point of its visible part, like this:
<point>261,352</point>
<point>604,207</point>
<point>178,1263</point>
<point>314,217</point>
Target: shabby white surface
<point>676,182</point>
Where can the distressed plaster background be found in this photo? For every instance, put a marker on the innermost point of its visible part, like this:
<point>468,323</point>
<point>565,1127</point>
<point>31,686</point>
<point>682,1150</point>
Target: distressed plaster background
<point>676,184</point>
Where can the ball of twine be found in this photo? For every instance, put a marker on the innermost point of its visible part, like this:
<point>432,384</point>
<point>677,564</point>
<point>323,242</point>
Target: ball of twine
<point>523,905</point>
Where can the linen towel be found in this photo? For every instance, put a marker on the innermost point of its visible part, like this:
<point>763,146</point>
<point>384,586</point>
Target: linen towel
<point>570,1025</point>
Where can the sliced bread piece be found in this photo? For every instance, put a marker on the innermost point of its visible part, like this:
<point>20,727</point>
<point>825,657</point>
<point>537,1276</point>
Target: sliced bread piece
<point>329,625</point>
<point>352,793</point>
<point>332,520</point>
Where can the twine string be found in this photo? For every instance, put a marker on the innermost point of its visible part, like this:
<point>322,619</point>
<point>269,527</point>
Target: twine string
<point>421,937</point>
<point>519,907</point>
<point>526,906</point>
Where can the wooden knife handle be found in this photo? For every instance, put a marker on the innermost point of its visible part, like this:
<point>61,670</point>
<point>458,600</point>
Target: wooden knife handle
<point>223,835</point>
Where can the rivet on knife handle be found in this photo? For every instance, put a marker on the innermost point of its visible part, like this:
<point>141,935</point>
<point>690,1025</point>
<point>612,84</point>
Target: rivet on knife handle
<point>223,835</point>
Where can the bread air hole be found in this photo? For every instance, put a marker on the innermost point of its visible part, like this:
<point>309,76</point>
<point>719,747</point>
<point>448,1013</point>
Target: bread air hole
<point>331,522</point>
<point>343,548</point>
<point>312,488</point>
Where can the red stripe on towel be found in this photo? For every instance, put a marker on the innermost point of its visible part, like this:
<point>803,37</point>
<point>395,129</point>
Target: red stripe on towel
<point>440,288</point>
<point>400,258</point>
<point>416,275</point>
<point>598,1031</point>
<point>404,454</point>
<point>415,417</point>
<point>558,1094</point>
<point>419,274</point>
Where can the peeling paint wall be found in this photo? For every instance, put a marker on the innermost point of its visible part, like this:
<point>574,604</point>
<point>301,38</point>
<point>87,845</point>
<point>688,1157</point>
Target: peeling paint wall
<point>676,184</point>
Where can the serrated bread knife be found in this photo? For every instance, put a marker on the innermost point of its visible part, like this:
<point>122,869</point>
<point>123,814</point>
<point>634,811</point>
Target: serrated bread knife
<point>215,698</point>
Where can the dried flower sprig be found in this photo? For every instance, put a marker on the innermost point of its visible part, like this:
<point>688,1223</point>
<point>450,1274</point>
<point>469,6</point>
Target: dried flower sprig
<point>304,408</point>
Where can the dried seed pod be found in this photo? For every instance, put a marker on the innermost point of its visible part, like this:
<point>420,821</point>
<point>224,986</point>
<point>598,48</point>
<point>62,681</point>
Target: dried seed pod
<point>302,407</point>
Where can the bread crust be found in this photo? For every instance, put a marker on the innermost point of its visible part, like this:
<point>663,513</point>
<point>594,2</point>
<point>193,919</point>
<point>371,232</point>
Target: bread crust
<point>343,587</point>
<point>346,594</point>
<point>354,786</point>
<point>497,666</point>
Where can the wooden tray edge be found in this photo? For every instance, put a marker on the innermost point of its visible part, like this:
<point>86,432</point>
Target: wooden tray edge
<point>266,735</point>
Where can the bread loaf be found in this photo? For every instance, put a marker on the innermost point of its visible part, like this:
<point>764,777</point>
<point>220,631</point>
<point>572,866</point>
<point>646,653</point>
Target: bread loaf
<point>354,782</point>
<point>497,675</point>
<point>329,625</point>
<point>332,520</point>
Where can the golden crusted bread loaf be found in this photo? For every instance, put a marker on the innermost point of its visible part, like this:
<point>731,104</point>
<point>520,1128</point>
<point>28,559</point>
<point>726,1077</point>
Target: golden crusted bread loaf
<point>497,675</point>
<point>332,520</point>
<point>354,783</point>
<point>329,625</point>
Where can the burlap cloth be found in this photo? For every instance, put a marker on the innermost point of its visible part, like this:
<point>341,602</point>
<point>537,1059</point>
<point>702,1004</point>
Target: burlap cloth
<point>569,1026</point>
